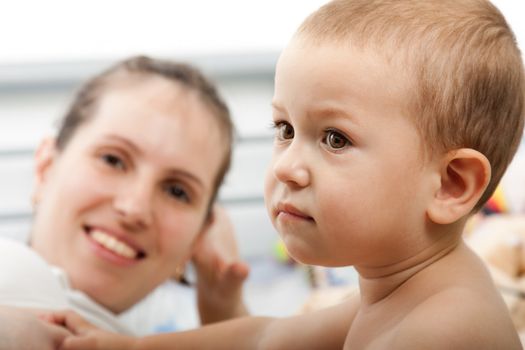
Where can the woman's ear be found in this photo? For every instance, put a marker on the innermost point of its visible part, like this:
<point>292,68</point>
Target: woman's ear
<point>44,157</point>
<point>465,174</point>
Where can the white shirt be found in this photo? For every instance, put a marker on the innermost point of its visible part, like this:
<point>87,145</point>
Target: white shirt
<point>28,281</point>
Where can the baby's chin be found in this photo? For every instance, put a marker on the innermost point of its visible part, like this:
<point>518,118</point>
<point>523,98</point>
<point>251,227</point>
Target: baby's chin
<point>307,256</point>
<point>301,253</point>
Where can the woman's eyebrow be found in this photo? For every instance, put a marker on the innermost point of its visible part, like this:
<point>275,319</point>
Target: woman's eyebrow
<point>187,175</point>
<point>175,172</point>
<point>120,139</point>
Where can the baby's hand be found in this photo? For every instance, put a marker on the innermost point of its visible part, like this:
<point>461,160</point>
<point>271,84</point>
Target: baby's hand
<point>220,273</point>
<point>85,336</point>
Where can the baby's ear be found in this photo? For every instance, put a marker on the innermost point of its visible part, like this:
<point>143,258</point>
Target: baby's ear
<point>464,174</point>
<point>44,156</point>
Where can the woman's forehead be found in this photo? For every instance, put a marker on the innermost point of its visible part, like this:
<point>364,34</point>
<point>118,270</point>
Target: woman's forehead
<point>166,128</point>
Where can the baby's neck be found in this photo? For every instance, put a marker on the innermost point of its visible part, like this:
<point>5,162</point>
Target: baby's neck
<point>378,283</point>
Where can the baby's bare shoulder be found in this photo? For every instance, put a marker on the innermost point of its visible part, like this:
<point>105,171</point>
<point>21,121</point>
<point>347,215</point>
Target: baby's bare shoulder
<point>458,318</point>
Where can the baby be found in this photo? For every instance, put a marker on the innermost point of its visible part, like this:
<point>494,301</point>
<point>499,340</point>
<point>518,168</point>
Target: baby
<point>395,121</point>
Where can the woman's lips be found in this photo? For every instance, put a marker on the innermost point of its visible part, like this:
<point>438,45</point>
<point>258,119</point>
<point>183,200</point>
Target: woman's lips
<point>113,244</point>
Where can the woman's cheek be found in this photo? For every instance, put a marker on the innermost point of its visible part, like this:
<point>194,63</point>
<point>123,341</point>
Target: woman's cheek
<point>178,235</point>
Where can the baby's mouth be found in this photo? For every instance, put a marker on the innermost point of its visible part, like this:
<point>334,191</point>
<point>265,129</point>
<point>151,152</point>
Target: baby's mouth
<point>114,245</point>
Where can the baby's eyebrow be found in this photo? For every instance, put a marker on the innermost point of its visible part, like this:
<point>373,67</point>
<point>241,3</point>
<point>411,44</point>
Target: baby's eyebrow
<point>332,112</point>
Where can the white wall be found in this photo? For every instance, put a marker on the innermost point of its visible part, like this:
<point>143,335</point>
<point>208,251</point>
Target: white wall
<point>514,12</point>
<point>34,30</point>
<point>72,29</point>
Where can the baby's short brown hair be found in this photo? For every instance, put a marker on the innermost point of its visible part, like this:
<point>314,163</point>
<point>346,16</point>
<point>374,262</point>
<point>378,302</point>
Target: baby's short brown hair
<point>461,58</point>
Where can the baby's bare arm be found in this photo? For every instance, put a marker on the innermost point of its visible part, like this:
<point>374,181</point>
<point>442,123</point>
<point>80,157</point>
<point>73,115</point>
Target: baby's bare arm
<point>325,329</point>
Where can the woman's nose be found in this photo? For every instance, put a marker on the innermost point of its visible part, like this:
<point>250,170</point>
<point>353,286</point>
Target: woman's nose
<point>133,203</point>
<point>290,165</point>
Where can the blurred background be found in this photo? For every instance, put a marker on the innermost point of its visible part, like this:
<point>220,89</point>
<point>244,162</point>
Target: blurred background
<point>48,48</point>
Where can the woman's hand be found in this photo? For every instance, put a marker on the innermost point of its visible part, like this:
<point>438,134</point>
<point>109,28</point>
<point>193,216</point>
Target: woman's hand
<point>22,329</point>
<point>85,336</point>
<point>220,273</point>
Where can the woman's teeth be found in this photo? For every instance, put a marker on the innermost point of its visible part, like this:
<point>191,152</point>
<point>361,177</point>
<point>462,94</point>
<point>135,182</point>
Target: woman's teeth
<point>113,244</point>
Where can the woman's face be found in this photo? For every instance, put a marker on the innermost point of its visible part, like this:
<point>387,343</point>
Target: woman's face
<point>120,208</point>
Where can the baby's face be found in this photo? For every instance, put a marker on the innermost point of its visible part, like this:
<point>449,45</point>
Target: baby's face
<point>347,184</point>
<point>122,205</point>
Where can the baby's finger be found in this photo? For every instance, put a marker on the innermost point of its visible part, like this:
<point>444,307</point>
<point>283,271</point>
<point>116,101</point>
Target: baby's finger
<point>79,343</point>
<point>52,318</point>
<point>69,319</point>
<point>56,318</point>
<point>98,340</point>
<point>58,334</point>
<point>77,324</point>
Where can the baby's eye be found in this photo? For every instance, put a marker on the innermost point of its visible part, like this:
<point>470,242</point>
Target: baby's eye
<point>113,161</point>
<point>284,131</point>
<point>177,191</point>
<point>336,140</point>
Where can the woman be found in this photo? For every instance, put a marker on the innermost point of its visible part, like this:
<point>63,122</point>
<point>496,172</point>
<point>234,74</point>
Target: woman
<point>125,194</point>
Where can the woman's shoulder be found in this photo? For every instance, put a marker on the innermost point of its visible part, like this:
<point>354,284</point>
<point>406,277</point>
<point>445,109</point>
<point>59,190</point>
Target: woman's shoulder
<point>26,279</point>
<point>12,252</point>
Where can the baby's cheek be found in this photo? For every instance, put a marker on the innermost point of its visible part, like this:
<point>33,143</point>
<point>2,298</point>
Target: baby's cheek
<point>345,212</point>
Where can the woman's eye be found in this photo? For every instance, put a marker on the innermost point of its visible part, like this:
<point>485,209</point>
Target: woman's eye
<point>336,140</point>
<point>177,192</point>
<point>113,161</point>
<point>284,131</point>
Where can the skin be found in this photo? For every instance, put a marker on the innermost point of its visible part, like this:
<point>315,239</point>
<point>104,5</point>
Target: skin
<point>220,274</point>
<point>143,174</point>
<point>15,326</point>
<point>352,131</point>
<point>349,185</point>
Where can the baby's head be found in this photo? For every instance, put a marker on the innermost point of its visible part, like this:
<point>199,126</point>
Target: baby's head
<point>125,190</point>
<point>391,117</point>
<point>464,73</point>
